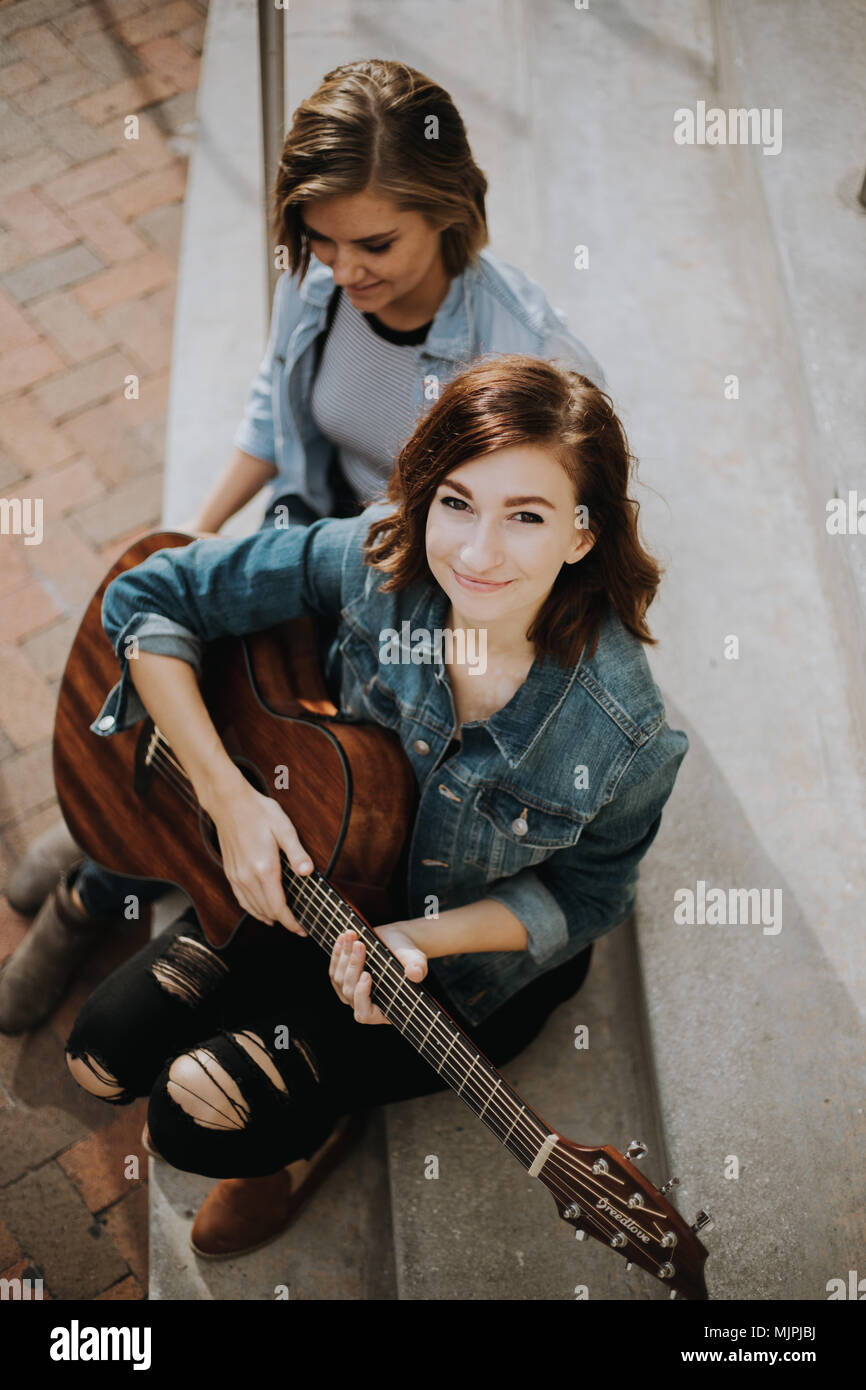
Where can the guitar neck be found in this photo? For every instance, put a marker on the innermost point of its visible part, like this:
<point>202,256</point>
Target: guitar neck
<point>324,914</point>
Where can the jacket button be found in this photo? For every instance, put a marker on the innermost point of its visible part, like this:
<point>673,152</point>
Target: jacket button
<point>520,826</point>
<point>421,746</point>
<point>107,722</point>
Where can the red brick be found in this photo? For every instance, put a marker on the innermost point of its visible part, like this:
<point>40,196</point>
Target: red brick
<point>155,22</point>
<point>193,36</point>
<point>126,1223</point>
<point>26,708</point>
<point>99,224</point>
<point>28,783</point>
<point>135,503</point>
<point>151,150</point>
<point>13,251</point>
<point>20,834</point>
<point>85,180</point>
<point>123,98</point>
<point>58,91</point>
<point>139,326</point>
<point>107,435</point>
<point>47,651</point>
<point>151,190</point>
<point>27,435</point>
<point>35,222</point>
<point>34,167</point>
<point>71,328</point>
<point>128,1288</point>
<point>26,610</point>
<point>23,366</point>
<point>96,1165</point>
<point>15,329</point>
<point>71,485</point>
<point>16,78</point>
<point>43,49</point>
<point>15,568</point>
<point>70,565</point>
<point>172,61</point>
<point>126,281</point>
<point>83,385</point>
<point>86,19</point>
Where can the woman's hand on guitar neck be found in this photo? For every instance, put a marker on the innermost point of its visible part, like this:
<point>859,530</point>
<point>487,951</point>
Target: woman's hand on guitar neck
<point>353,983</point>
<point>252,830</point>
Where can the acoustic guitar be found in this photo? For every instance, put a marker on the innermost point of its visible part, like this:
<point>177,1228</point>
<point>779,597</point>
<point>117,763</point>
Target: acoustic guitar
<point>351,795</point>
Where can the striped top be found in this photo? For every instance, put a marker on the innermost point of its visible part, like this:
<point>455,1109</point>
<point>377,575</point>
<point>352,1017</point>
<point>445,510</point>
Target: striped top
<point>362,398</point>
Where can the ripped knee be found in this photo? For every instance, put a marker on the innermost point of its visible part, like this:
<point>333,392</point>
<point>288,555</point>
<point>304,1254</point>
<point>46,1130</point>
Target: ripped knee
<point>188,969</point>
<point>203,1089</point>
<point>255,1048</point>
<point>94,1077</point>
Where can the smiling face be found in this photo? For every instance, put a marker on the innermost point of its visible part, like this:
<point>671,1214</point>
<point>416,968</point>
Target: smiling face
<point>499,529</point>
<point>380,255</point>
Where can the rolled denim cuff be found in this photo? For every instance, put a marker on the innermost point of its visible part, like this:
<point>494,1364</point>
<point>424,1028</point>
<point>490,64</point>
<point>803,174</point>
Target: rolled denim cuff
<point>152,633</point>
<point>253,440</point>
<point>538,910</point>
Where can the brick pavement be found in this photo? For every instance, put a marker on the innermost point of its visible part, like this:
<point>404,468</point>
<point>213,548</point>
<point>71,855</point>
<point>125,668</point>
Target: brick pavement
<point>89,239</point>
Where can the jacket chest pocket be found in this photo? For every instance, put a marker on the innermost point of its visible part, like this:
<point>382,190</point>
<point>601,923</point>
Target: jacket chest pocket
<point>365,693</point>
<point>508,835</point>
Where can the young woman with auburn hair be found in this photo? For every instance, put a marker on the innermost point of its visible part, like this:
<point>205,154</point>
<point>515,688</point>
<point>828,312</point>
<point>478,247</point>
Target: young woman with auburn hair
<point>542,771</point>
<point>379,221</point>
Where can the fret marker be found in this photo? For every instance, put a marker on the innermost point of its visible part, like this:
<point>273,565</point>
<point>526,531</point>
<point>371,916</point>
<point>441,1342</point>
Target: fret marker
<point>543,1155</point>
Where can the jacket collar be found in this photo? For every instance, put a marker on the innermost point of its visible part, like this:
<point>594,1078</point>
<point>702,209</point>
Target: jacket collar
<point>521,722</point>
<point>450,337</point>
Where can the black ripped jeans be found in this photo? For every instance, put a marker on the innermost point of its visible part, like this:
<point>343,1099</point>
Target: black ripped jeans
<point>177,995</point>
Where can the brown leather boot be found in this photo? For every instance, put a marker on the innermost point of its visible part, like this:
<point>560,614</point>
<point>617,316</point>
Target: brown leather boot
<point>36,874</point>
<point>35,978</point>
<point>240,1215</point>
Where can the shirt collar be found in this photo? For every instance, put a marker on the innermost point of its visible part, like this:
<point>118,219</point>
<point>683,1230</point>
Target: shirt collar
<point>520,723</point>
<point>450,336</point>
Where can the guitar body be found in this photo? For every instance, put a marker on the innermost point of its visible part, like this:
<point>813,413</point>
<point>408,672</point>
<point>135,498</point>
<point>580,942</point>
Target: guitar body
<point>351,793</point>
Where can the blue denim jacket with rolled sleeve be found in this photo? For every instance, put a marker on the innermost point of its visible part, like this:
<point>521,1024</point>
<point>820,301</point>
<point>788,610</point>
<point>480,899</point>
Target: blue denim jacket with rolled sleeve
<point>548,806</point>
<point>491,308</point>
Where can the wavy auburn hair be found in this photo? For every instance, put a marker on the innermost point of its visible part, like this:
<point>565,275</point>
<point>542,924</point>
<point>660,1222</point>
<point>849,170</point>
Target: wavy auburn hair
<point>513,400</point>
<point>369,125</point>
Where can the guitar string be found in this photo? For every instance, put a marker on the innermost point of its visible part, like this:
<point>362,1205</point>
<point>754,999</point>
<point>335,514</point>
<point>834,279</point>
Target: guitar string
<point>388,965</point>
<point>576,1169</point>
<point>297,882</point>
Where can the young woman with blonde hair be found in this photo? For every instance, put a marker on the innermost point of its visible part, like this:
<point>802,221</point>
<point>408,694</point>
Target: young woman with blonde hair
<point>379,217</point>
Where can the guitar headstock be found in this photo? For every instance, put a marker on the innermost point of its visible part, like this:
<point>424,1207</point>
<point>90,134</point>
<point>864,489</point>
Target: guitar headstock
<point>601,1193</point>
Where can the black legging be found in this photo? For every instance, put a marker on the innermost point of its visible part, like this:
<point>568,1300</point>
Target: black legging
<point>177,995</point>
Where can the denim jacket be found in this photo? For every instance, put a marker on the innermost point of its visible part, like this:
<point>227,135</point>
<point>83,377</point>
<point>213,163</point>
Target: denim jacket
<point>549,805</point>
<point>492,307</point>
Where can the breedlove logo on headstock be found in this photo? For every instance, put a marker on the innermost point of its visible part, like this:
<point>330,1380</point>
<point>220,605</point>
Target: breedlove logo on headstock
<point>602,1194</point>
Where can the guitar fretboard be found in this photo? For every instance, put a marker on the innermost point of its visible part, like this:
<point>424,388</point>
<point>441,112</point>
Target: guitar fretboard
<point>324,914</point>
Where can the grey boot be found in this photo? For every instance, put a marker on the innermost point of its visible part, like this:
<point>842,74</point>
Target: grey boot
<point>33,879</point>
<point>35,978</point>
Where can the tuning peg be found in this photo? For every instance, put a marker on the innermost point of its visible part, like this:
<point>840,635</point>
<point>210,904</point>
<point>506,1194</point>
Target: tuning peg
<point>673,1294</point>
<point>636,1150</point>
<point>571,1210</point>
<point>702,1222</point>
<point>629,1266</point>
<point>580,1234</point>
<point>671,1182</point>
